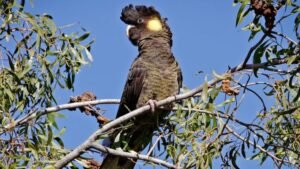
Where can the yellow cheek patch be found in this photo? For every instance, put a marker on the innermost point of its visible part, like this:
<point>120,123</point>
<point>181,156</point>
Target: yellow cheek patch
<point>154,25</point>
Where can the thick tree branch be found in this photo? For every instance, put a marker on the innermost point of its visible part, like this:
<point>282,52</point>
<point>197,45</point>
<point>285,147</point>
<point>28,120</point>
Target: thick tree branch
<point>80,149</point>
<point>132,155</point>
<point>30,116</point>
<point>85,145</point>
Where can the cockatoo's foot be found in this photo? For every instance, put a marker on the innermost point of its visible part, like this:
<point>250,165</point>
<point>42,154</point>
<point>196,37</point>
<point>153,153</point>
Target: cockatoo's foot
<point>152,104</point>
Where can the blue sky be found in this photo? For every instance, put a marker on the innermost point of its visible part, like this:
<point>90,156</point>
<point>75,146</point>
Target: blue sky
<point>204,35</point>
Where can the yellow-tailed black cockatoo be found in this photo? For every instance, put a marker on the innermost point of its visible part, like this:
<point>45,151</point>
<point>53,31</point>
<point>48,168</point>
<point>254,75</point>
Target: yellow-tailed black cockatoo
<point>154,75</point>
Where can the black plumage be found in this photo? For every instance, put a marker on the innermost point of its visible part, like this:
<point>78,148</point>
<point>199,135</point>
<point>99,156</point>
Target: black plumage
<point>154,75</point>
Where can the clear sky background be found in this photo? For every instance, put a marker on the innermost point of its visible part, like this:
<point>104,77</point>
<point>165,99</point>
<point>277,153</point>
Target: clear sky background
<point>204,35</point>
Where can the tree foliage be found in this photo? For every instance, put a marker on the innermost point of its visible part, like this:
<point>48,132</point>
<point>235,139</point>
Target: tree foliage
<point>37,57</point>
<point>207,127</point>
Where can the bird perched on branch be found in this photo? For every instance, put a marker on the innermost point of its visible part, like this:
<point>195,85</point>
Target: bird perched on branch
<point>154,75</point>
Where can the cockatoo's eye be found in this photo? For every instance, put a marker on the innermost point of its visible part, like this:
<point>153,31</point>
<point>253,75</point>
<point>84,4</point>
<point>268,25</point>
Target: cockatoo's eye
<point>140,21</point>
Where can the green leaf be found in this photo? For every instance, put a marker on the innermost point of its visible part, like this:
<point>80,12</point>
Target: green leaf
<point>50,118</point>
<point>27,68</point>
<point>297,116</point>
<point>50,74</point>
<point>254,144</point>
<point>38,42</point>
<point>59,141</point>
<point>11,65</point>
<point>247,139</point>
<point>243,150</point>
<point>9,93</point>
<point>263,159</point>
<point>50,135</point>
<point>88,54</point>
<point>214,123</point>
<point>49,167</point>
<point>257,156</point>
<point>69,83</point>
<point>296,26</point>
<point>241,13</point>
<point>21,105</point>
<point>292,59</point>
<point>258,54</point>
<point>88,46</point>
<point>297,96</point>
<point>288,111</point>
<point>16,78</point>
<point>254,31</point>
<point>73,52</point>
<point>234,163</point>
<point>204,92</point>
<point>227,101</point>
<point>34,153</point>
<point>218,76</point>
<point>83,37</point>
<point>50,24</point>
<point>62,131</point>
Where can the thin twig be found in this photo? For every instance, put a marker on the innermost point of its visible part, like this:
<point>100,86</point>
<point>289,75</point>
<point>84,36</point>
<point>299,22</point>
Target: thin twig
<point>153,146</point>
<point>35,114</point>
<point>256,94</point>
<point>285,37</point>
<point>221,131</point>
<point>272,62</point>
<point>258,146</point>
<point>132,155</point>
<point>242,65</point>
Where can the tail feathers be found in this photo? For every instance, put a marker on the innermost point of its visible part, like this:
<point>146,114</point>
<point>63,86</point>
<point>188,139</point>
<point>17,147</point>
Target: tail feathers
<point>107,143</point>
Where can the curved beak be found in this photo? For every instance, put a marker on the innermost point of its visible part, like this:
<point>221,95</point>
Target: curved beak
<point>128,28</point>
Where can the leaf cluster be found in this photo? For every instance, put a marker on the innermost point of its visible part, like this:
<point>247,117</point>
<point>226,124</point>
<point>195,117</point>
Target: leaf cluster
<point>36,58</point>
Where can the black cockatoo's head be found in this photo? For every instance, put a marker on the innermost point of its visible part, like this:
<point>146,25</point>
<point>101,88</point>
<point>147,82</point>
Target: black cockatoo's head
<point>144,23</point>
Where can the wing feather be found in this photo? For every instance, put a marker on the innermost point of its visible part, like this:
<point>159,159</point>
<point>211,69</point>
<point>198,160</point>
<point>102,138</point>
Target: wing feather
<point>132,89</point>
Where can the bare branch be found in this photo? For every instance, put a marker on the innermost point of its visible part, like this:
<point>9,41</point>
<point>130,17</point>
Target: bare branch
<point>81,148</point>
<point>258,146</point>
<point>132,155</point>
<point>256,94</point>
<point>242,65</point>
<point>272,62</point>
<point>35,114</point>
<point>153,146</point>
<point>284,36</point>
<point>85,145</point>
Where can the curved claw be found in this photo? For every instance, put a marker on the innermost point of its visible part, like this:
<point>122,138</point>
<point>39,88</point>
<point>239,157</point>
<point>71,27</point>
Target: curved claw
<point>152,104</point>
